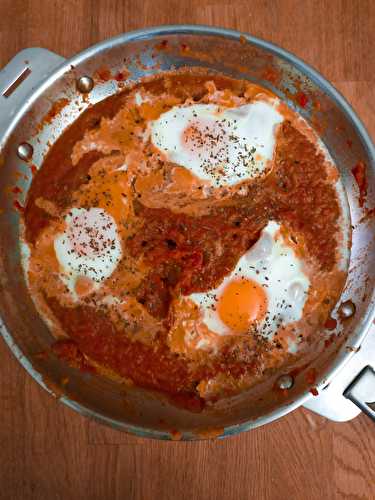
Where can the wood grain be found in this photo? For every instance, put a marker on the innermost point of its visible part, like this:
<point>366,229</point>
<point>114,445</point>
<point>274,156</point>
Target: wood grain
<point>50,452</point>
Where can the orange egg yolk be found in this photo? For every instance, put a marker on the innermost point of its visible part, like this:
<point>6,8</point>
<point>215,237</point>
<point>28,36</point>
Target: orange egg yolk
<point>83,286</point>
<point>242,303</point>
<point>110,193</point>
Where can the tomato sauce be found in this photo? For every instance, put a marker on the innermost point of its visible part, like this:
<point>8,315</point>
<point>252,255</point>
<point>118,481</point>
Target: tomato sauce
<point>150,367</point>
<point>359,172</point>
<point>181,249</point>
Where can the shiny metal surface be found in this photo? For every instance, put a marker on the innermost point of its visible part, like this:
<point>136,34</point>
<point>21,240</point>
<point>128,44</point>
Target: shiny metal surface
<point>85,84</point>
<point>39,62</point>
<point>25,151</point>
<point>145,414</point>
<point>362,391</point>
<point>346,309</point>
<point>285,381</point>
<point>331,403</point>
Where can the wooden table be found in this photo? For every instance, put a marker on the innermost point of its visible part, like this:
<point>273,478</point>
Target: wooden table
<point>47,451</point>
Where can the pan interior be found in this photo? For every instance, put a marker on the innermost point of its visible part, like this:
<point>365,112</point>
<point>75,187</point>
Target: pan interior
<point>220,51</point>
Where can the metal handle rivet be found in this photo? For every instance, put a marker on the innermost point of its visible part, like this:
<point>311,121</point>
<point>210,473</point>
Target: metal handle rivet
<point>85,84</point>
<point>285,381</point>
<point>25,151</point>
<point>346,309</point>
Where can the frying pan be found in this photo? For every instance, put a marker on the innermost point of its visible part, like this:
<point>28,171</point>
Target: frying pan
<point>47,80</point>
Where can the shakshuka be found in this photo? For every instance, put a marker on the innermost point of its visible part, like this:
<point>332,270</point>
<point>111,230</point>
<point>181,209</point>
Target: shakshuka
<point>189,235</point>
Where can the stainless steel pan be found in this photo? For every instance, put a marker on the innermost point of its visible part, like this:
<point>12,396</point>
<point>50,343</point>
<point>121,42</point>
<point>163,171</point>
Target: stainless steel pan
<point>50,78</point>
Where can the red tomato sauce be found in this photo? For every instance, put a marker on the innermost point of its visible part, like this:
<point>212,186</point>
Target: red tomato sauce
<point>181,248</point>
<point>359,173</point>
<point>150,367</point>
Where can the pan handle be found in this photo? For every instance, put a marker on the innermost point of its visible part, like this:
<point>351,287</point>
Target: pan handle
<point>24,72</point>
<point>352,390</point>
<point>362,391</point>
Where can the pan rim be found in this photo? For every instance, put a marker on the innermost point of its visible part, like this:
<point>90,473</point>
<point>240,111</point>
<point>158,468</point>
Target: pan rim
<point>149,33</point>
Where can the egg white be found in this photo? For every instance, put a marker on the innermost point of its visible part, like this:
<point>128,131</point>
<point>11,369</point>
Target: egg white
<point>225,145</point>
<point>88,246</point>
<point>274,267</point>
